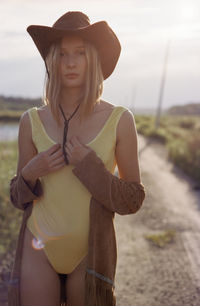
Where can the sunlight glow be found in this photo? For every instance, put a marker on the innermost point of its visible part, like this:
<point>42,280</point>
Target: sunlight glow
<point>187,12</point>
<point>37,244</point>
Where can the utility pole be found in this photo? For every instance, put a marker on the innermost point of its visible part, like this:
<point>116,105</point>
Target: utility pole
<point>162,85</point>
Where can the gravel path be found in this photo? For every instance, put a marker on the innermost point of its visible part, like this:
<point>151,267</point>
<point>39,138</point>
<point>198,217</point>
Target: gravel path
<point>148,275</point>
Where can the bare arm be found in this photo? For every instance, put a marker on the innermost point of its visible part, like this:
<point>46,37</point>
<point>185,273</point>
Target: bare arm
<point>126,151</point>
<point>24,189</point>
<point>32,164</point>
<point>26,186</point>
<point>26,150</point>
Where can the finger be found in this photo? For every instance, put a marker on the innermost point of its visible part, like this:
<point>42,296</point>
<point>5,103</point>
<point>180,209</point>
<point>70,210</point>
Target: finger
<point>58,161</point>
<point>56,154</point>
<point>69,153</point>
<point>71,141</point>
<point>53,148</point>
<point>58,166</point>
<point>68,146</point>
<point>75,139</point>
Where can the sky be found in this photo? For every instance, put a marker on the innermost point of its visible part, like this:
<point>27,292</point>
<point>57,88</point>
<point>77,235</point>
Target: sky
<point>147,30</point>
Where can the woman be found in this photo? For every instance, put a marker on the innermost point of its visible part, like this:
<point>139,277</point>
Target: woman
<point>68,150</point>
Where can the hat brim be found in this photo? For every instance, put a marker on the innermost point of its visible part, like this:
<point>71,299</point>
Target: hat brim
<point>99,33</point>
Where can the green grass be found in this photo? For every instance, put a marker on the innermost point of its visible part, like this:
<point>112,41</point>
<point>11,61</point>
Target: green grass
<point>181,135</point>
<point>161,239</point>
<point>10,217</point>
<point>10,115</point>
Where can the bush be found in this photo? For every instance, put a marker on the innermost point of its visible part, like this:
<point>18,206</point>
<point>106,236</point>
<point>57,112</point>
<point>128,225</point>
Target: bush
<point>181,136</point>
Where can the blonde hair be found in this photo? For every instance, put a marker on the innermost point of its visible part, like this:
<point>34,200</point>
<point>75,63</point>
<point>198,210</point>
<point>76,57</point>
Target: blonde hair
<point>92,88</point>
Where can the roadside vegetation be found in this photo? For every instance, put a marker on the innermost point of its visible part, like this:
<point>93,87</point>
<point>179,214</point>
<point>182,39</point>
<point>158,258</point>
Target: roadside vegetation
<point>181,135</point>
<point>10,217</point>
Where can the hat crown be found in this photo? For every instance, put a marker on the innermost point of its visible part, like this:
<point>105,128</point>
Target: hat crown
<point>72,20</point>
<point>75,22</point>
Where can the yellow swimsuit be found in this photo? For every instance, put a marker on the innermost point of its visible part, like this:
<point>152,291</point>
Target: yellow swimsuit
<point>60,217</point>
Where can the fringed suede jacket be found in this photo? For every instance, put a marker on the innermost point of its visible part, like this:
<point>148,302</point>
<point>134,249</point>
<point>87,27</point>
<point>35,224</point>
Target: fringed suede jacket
<point>110,195</point>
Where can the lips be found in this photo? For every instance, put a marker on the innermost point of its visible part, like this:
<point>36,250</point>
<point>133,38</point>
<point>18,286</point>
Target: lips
<point>72,75</point>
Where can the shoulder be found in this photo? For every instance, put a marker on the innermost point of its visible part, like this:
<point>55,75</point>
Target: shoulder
<point>106,106</point>
<point>126,126</point>
<point>24,126</point>
<point>24,119</point>
<point>126,118</point>
<point>43,110</point>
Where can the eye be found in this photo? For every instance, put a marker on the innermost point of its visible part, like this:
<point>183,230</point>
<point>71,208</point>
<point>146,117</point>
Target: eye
<point>80,52</point>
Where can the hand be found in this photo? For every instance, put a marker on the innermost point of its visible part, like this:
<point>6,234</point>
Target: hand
<point>44,163</point>
<point>76,150</point>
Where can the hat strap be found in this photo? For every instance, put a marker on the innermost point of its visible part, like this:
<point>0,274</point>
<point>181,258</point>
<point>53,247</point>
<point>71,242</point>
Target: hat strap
<point>66,123</point>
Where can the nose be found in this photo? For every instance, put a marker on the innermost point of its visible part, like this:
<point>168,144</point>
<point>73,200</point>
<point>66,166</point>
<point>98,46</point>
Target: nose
<point>70,60</point>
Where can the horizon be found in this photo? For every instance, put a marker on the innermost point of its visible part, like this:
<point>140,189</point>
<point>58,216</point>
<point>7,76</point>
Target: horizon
<point>137,108</point>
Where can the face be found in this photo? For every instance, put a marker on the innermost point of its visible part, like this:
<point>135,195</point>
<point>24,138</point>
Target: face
<point>72,61</point>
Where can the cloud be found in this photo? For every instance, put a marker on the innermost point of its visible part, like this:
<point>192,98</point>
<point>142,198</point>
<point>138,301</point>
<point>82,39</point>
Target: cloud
<point>11,34</point>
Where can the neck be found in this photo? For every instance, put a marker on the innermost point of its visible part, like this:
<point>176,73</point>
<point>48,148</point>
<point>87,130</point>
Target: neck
<point>70,99</point>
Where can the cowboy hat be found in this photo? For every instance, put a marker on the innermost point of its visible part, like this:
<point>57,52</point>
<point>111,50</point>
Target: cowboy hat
<point>75,22</point>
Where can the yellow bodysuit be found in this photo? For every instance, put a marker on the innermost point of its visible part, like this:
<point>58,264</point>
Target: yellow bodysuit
<point>60,217</point>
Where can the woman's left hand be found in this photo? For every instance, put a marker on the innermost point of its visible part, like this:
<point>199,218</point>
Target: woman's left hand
<point>76,150</point>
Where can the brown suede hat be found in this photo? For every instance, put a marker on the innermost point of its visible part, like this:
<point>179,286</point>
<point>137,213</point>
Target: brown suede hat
<point>75,22</point>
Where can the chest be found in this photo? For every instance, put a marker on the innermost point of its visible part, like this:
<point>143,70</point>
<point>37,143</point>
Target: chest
<point>100,133</point>
<point>87,130</point>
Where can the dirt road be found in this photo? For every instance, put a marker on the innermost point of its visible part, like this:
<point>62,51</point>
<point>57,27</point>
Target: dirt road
<point>149,275</point>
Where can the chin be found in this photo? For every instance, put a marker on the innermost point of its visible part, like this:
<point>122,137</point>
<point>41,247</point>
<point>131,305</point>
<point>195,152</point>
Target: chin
<point>72,85</point>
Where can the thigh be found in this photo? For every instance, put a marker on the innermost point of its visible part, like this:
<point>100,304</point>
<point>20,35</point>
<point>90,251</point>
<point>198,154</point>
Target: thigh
<point>39,282</point>
<point>75,285</point>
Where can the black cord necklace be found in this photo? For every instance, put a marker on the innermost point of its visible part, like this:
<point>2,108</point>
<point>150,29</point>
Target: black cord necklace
<point>66,123</point>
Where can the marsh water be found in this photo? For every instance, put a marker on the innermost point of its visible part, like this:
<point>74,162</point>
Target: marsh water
<point>8,131</point>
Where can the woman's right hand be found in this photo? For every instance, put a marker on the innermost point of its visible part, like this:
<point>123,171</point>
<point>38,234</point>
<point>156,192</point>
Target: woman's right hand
<point>44,162</point>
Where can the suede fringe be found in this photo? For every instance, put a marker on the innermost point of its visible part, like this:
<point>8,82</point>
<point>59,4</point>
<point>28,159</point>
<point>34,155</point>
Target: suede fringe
<point>98,292</point>
<point>13,296</point>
